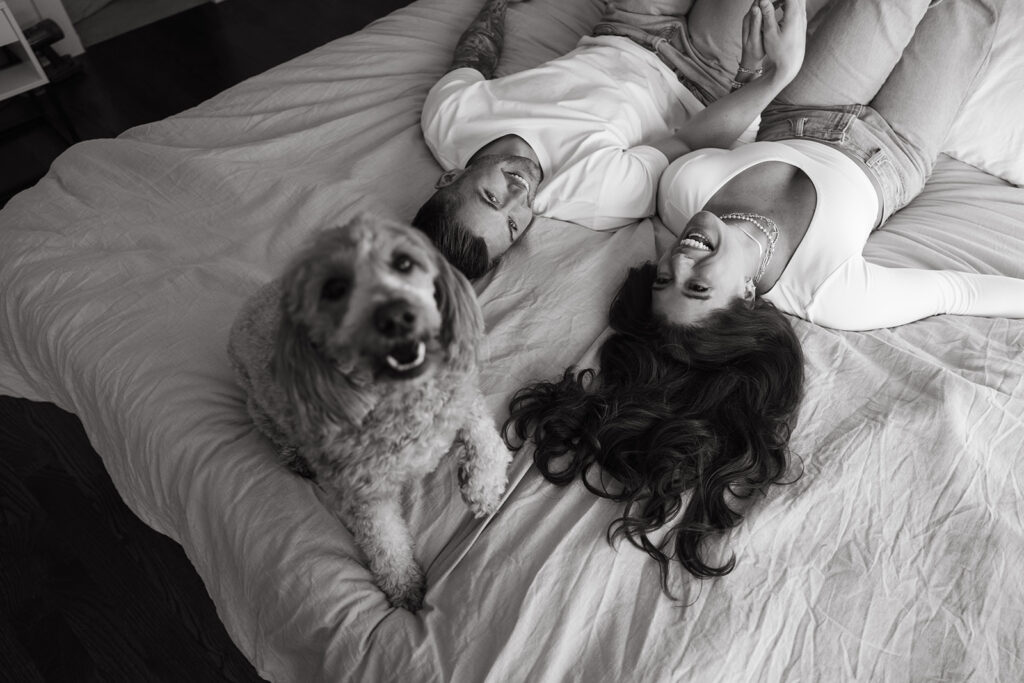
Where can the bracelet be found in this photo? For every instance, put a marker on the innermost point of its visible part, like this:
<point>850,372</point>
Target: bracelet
<point>736,85</point>
<point>744,70</point>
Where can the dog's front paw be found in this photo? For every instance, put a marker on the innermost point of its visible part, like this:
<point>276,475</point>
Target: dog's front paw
<point>483,469</point>
<point>482,488</point>
<point>407,591</point>
<point>483,508</point>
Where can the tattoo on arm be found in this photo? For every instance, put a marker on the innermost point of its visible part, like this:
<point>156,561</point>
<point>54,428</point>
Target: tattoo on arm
<point>480,45</point>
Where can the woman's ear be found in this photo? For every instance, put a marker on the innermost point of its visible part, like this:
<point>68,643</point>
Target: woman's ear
<point>448,177</point>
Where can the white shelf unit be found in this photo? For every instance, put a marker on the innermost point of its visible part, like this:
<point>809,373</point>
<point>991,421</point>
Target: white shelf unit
<point>25,74</point>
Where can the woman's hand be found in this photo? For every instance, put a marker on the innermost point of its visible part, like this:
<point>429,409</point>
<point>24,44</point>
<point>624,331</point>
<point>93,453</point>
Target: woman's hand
<point>783,37</point>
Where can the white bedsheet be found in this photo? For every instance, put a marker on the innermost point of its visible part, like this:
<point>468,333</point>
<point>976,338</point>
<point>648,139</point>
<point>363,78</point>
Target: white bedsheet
<point>895,556</point>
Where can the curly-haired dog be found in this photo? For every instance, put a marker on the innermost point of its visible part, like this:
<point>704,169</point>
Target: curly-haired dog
<point>360,366</point>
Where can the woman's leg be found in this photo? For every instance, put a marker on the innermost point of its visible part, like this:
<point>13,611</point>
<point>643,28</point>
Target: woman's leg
<point>938,70</point>
<point>854,47</point>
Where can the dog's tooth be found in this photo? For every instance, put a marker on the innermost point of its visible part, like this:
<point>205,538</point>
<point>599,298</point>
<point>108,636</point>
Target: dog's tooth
<point>421,355</point>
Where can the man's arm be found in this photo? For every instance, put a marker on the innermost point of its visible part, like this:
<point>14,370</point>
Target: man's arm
<point>480,45</point>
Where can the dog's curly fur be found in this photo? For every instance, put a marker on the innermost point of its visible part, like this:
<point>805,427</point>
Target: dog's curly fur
<point>360,365</point>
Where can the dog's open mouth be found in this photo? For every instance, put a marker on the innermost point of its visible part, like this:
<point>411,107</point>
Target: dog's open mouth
<point>406,357</point>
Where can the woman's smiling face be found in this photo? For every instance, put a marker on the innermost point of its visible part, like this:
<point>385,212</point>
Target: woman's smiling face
<point>712,263</point>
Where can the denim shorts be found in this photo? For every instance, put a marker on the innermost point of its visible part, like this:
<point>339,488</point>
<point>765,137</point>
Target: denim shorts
<point>897,170</point>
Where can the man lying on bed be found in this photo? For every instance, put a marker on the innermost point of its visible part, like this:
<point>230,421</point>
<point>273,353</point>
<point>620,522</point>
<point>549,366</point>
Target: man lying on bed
<point>585,137</point>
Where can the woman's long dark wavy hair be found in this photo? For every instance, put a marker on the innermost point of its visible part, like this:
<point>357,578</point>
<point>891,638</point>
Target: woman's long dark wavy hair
<point>706,409</point>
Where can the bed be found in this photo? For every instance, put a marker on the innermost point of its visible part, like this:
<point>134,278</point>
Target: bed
<point>895,555</point>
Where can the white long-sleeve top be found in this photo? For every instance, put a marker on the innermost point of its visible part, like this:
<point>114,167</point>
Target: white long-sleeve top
<point>588,115</point>
<point>827,280</point>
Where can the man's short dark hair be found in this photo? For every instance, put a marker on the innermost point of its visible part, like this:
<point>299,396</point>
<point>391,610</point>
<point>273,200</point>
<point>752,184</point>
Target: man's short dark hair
<point>438,218</point>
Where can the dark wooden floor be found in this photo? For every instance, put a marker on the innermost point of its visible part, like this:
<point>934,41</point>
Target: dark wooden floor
<point>87,591</point>
<point>166,67</point>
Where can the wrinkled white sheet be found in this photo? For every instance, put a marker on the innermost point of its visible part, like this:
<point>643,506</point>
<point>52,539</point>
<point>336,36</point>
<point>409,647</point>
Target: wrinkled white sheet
<point>896,555</point>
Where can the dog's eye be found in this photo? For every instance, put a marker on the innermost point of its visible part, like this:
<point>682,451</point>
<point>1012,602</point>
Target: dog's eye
<point>402,263</point>
<point>334,289</point>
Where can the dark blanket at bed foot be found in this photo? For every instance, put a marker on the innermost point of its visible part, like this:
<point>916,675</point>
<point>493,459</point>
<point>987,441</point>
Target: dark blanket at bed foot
<point>87,591</point>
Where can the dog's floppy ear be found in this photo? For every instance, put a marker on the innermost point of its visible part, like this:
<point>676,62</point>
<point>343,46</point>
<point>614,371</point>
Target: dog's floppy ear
<point>293,284</point>
<point>462,323</point>
<point>317,389</point>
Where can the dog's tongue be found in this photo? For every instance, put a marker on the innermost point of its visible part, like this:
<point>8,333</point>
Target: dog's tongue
<point>407,356</point>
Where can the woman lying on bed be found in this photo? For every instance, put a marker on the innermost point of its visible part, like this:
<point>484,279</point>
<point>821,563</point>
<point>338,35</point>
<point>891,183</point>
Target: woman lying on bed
<point>701,381</point>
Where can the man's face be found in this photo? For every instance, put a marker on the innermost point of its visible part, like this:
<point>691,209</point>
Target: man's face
<point>497,198</point>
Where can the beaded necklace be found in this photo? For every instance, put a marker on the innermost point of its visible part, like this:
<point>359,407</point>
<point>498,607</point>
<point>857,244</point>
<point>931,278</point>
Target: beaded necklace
<point>765,225</point>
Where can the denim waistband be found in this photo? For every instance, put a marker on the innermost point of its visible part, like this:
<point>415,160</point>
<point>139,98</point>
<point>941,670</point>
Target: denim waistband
<point>860,132</point>
<point>659,45</point>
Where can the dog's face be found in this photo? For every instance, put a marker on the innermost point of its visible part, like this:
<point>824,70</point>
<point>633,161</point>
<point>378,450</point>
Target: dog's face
<point>378,302</point>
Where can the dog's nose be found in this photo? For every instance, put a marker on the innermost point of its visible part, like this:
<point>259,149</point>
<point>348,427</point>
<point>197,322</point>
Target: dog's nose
<point>395,319</point>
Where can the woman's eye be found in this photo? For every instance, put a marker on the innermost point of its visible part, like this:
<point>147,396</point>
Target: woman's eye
<point>662,280</point>
<point>490,197</point>
<point>402,263</point>
<point>698,288</point>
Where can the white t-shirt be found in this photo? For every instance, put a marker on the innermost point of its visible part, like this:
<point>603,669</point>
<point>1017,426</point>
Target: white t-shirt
<point>588,116</point>
<point>827,280</point>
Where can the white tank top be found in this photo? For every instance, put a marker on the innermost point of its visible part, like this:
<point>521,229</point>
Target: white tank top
<point>827,280</point>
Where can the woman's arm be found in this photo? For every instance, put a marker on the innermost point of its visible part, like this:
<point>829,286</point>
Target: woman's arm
<point>866,296</point>
<point>723,121</point>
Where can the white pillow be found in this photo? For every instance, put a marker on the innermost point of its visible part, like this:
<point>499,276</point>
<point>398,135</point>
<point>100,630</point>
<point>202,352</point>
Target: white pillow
<point>989,132</point>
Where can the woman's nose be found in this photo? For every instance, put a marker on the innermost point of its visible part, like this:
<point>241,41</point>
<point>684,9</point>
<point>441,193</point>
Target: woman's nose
<point>681,263</point>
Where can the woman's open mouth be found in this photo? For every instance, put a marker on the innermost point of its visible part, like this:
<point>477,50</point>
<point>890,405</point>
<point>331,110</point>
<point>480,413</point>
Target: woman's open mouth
<point>696,240</point>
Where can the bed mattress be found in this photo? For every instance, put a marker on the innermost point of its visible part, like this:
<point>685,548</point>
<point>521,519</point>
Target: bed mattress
<point>894,555</point>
